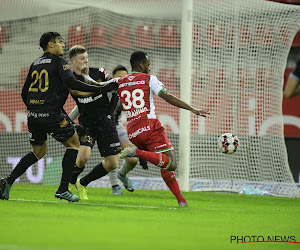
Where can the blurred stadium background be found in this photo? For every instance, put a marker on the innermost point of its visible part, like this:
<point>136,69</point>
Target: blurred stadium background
<point>240,52</point>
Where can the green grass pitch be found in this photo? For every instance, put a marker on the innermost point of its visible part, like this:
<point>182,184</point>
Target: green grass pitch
<point>144,219</point>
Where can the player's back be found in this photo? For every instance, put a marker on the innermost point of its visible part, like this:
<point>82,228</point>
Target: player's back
<point>136,95</point>
<point>46,90</point>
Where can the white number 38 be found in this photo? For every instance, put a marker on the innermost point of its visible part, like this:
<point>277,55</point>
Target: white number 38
<point>136,99</point>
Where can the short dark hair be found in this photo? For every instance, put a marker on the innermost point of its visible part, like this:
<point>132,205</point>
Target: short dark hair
<point>47,37</point>
<point>137,57</point>
<point>118,68</point>
<point>76,49</point>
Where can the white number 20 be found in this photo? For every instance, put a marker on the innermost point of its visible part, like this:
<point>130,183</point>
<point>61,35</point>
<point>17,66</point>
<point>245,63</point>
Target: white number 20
<point>137,96</point>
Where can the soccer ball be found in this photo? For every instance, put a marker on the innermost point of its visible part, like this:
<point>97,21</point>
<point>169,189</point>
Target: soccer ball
<point>228,143</point>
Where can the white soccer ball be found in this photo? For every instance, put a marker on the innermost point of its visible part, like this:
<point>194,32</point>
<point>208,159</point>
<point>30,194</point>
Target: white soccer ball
<point>228,143</point>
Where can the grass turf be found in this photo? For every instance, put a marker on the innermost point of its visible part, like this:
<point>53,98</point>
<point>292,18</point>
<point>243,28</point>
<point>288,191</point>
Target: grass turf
<point>144,219</point>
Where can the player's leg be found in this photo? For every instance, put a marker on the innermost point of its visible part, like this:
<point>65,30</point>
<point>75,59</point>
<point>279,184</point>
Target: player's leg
<point>128,164</point>
<point>161,154</point>
<point>87,142</point>
<point>108,164</point>
<point>161,160</point>
<point>109,147</point>
<point>170,180</point>
<point>84,154</point>
<point>114,182</point>
<point>154,140</point>
<point>38,140</point>
<point>65,133</point>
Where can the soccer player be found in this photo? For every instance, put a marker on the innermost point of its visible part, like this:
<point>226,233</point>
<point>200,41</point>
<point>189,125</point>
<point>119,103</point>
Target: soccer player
<point>44,94</point>
<point>144,129</point>
<point>129,162</point>
<point>96,124</point>
<point>292,87</point>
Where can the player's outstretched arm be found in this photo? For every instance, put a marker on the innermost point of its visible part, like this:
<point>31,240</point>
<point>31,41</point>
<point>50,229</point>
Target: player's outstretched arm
<point>175,101</point>
<point>75,84</point>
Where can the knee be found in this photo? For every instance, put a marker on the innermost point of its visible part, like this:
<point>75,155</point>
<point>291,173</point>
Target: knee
<point>72,142</point>
<point>131,161</point>
<point>173,165</point>
<point>40,151</point>
<point>40,154</point>
<point>81,160</point>
<point>110,164</point>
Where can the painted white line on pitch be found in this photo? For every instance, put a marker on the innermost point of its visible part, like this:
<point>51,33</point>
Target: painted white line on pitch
<point>16,247</point>
<point>96,204</point>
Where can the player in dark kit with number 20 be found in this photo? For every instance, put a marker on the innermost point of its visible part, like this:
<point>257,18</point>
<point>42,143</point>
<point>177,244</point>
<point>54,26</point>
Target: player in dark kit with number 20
<point>44,93</point>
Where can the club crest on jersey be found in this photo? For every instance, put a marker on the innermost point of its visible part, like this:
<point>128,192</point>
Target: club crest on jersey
<point>130,78</point>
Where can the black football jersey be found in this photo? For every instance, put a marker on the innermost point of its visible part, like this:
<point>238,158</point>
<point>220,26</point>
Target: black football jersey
<point>44,88</point>
<point>97,105</point>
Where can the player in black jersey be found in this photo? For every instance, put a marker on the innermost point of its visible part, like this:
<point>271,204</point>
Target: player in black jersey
<point>44,93</point>
<point>96,122</point>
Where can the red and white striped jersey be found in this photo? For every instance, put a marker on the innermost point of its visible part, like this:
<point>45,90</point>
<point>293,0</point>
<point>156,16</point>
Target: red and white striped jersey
<point>136,95</point>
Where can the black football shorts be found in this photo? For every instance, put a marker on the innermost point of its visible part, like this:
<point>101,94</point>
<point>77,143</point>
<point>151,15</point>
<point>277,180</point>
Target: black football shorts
<point>104,132</point>
<point>56,123</point>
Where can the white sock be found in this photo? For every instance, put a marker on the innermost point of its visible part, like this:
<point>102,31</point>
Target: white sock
<point>113,177</point>
<point>126,168</point>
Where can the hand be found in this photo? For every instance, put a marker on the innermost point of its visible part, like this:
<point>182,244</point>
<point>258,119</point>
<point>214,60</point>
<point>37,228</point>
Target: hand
<point>200,112</point>
<point>85,69</point>
<point>143,163</point>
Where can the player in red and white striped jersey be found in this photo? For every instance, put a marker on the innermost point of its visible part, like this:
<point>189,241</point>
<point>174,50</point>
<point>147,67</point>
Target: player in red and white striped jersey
<point>145,131</point>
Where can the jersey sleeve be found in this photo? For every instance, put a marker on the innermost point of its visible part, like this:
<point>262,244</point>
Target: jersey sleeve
<point>64,69</point>
<point>156,86</point>
<point>99,74</point>
<point>296,72</point>
<point>105,76</point>
<point>110,85</point>
<point>25,88</point>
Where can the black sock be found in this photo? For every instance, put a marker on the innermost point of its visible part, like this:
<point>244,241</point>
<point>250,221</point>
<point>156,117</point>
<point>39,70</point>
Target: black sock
<point>21,167</point>
<point>97,172</point>
<point>68,163</point>
<point>75,173</point>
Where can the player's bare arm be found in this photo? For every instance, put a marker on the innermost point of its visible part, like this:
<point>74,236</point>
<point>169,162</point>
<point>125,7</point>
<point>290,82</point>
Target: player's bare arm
<point>292,88</point>
<point>175,101</point>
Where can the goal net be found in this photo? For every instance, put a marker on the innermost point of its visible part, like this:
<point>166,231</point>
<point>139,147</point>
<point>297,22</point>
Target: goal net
<point>238,51</point>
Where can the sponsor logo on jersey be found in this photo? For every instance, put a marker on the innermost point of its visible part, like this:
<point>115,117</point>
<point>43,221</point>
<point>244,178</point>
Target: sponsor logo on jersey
<point>34,101</point>
<point>36,115</point>
<point>89,99</point>
<point>136,112</point>
<point>42,61</point>
<point>139,131</point>
<point>131,83</point>
<point>117,144</point>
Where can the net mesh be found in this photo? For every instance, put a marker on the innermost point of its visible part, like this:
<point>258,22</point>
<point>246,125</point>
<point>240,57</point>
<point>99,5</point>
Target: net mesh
<point>239,54</point>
